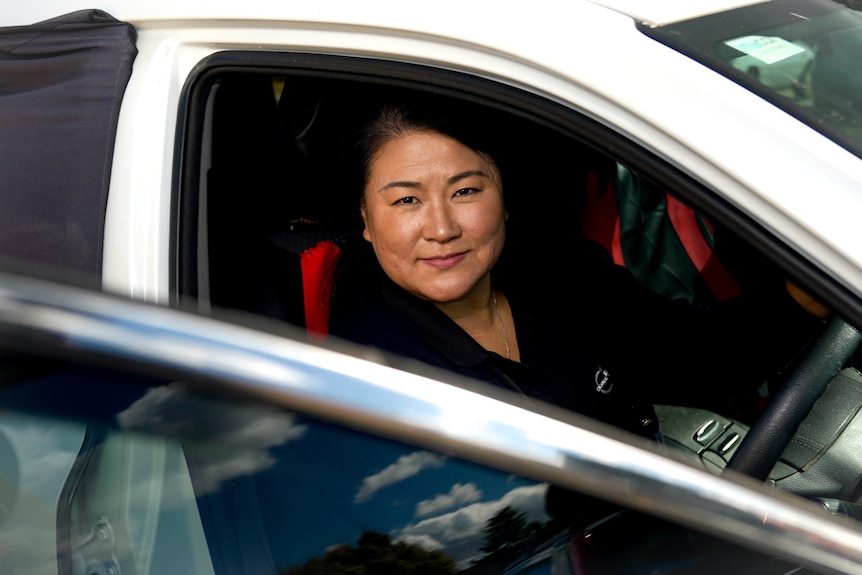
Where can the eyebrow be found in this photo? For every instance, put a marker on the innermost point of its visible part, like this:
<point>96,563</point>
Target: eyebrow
<point>458,177</point>
<point>452,180</point>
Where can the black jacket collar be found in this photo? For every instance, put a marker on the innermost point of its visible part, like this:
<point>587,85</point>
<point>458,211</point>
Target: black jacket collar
<point>446,336</point>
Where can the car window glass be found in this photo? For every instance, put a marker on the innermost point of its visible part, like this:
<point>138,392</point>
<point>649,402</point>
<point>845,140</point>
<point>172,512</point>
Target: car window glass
<point>115,473</point>
<point>800,55</point>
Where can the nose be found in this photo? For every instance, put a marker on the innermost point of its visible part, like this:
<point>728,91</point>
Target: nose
<point>441,222</point>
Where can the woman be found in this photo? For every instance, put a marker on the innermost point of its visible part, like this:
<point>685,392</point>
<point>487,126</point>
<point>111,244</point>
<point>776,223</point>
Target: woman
<point>433,212</point>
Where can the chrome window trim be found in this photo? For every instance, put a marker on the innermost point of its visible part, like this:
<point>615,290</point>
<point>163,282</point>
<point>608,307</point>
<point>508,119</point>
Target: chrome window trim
<point>545,443</point>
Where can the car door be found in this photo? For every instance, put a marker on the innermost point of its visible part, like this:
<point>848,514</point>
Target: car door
<point>139,439</point>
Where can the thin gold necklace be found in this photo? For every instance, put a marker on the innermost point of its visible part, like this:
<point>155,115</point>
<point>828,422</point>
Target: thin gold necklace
<point>502,325</point>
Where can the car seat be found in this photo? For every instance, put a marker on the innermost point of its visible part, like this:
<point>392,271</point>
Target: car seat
<point>668,246</point>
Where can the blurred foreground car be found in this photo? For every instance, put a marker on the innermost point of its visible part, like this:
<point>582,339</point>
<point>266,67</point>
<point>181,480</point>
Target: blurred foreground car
<point>137,439</point>
<point>199,157</point>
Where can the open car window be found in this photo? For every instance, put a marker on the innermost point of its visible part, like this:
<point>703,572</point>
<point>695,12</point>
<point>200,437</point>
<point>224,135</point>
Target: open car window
<point>269,189</point>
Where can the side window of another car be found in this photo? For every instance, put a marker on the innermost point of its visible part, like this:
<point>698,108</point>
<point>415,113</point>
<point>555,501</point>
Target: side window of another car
<point>107,471</point>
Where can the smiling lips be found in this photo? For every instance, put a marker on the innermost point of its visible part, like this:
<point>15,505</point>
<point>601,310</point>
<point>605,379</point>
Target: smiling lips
<point>445,262</point>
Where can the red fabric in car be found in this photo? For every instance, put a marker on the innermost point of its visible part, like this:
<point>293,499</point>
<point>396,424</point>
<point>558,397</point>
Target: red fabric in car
<point>318,268</point>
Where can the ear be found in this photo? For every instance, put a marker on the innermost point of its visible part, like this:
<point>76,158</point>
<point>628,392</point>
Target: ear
<point>365,233</point>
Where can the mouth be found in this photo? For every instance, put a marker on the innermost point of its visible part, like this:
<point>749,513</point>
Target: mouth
<point>445,261</point>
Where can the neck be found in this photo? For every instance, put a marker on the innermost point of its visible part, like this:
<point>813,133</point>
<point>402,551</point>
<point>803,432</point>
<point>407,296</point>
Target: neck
<point>482,317</point>
<point>473,312</point>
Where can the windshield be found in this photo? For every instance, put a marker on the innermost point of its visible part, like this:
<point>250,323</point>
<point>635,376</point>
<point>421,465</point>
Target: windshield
<point>802,55</point>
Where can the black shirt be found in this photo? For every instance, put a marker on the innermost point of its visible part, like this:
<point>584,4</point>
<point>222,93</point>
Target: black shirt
<point>551,369</point>
<point>616,349</point>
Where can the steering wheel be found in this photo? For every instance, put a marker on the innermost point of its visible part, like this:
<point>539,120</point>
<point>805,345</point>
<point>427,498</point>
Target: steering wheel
<point>762,446</point>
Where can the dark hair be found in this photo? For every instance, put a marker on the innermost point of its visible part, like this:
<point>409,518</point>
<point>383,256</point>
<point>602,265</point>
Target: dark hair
<point>394,120</point>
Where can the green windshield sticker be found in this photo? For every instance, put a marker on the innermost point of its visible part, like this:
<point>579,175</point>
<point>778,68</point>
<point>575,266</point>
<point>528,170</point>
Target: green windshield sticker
<point>767,49</point>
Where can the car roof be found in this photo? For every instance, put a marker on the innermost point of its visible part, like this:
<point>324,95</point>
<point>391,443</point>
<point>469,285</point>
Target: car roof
<point>348,12</point>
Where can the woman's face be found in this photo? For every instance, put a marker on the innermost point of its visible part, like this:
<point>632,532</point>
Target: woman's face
<point>433,211</point>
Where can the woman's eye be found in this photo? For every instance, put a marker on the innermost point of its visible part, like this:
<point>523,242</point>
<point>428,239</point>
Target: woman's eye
<point>466,191</point>
<point>407,200</point>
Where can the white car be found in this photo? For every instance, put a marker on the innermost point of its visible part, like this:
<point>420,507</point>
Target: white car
<point>177,154</point>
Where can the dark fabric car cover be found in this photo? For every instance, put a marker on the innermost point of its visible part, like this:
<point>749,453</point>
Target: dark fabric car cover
<point>61,84</point>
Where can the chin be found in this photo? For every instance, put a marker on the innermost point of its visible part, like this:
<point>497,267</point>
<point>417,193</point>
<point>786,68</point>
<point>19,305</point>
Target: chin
<point>445,296</point>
